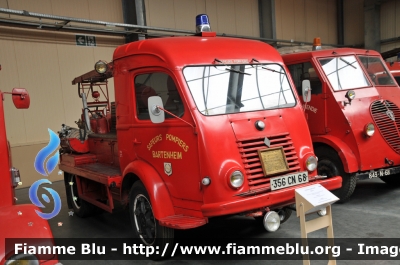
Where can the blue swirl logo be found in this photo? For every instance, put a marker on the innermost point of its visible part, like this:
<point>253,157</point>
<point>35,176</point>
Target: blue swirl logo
<point>33,190</point>
<point>45,171</point>
<point>45,152</point>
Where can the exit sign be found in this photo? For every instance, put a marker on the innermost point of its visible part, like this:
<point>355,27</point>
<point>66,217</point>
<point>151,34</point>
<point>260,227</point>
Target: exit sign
<point>84,40</point>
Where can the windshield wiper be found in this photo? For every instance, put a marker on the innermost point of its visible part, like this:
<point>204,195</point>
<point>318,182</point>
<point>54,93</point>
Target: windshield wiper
<point>236,71</point>
<point>272,70</point>
<point>265,68</point>
<point>230,69</point>
<point>351,64</point>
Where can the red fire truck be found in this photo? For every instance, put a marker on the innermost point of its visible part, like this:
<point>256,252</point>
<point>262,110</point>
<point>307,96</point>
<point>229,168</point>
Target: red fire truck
<point>352,111</point>
<point>202,126</point>
<point>18,221</point>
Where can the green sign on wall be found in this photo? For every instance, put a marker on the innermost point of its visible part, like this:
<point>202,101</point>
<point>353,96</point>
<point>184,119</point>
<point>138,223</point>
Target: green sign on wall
<point>84,40</point>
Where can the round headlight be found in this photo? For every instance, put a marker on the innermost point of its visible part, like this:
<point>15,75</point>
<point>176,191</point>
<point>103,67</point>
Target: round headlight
<point>350,94</point>
<point>25,259</point>
<point>101,67</point>
<point>369,129</point>
<point>311,163</point>
<point>272,221</point>
<point>236,179</point>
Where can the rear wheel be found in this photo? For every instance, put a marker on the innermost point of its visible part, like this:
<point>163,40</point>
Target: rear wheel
<point>145,225</point>
<point>329,164</point>
<point>81,207</point>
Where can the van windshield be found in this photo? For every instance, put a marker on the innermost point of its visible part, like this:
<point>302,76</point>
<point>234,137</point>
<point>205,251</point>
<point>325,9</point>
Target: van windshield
<point>223,89</point>
<point>376,70</point>
<point>344,72</point>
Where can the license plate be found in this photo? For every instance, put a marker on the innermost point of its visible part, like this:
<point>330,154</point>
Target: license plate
<point>379,173</point>
<point>289,180</point>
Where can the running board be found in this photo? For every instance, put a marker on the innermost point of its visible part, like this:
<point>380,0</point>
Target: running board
<point>182,221</point>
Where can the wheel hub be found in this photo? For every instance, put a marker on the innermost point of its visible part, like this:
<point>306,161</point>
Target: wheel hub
<point>74,192</point>
<point>144,219</point>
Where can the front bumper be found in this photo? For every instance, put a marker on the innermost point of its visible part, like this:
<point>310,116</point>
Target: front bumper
<point>269,199</point>
<point>377,173</point>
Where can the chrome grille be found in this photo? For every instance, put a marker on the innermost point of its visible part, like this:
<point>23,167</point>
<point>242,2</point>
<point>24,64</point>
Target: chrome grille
<point>254,172</point>
<point>386,116</point>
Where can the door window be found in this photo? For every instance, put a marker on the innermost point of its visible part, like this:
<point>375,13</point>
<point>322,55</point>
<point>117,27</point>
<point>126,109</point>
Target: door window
<point>305,71</point>
<point>157,84</point>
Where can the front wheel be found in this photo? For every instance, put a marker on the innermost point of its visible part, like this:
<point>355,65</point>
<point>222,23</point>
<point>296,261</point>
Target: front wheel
<point>329,164</point>
<point>145,225</point>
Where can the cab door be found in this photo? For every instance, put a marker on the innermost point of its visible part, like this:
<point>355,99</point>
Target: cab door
<point>315,109</point>
<point>170,147</point>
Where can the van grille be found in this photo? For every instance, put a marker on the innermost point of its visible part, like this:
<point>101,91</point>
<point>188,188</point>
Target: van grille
<point>254,172</point>
<point>386,116</point>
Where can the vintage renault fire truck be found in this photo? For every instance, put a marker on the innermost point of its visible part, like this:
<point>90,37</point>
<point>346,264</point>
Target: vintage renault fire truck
<point>352,104</point>
<point>18,221</point>
<point>202,126</point>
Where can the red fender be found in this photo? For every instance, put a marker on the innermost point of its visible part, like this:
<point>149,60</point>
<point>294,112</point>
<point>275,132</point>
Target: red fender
<point>155,186</point>
<point>22,221</point>
<point>349,160</point>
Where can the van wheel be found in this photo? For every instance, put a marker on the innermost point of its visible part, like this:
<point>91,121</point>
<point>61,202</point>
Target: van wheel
<point>145,225</point>
<point>81,207</point>
<point>392,180</point>
<point>329,164</point>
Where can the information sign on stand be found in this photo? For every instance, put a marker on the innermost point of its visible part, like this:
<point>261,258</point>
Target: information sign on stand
<point>311,199</point>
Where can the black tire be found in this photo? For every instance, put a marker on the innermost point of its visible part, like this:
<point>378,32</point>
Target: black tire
<point>329,164</point>
<point>392,180</point>
<point>81,207</point>
<point>145,226</point>
<point>285,214</point>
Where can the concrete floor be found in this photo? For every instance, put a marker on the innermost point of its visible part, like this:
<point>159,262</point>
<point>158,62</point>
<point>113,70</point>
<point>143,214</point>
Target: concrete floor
<point>372,212</point>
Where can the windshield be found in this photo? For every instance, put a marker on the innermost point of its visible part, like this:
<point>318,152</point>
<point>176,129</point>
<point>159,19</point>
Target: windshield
<point>344,72</point>
<point>376,70</point>
<point>223,89</point>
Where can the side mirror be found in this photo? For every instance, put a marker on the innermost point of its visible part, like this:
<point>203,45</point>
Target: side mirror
<point>306,90</point>
<point>20,97</point>
<point>156,115</point>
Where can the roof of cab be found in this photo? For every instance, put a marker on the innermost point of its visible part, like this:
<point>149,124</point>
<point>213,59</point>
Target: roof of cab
<point>326,53</point>
<point>188,50</point>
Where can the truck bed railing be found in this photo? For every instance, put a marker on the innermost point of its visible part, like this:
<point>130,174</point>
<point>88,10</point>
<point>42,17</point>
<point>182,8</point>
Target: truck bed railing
<point>95,85</point>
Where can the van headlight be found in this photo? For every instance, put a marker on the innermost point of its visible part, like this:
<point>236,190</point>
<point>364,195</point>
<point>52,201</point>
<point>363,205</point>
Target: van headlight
<point>236,179</point>
<point>369,129</point>
<point>350,95</point>
<point>22,259</point>
<point>311,163</point>
<point>101,67</point>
